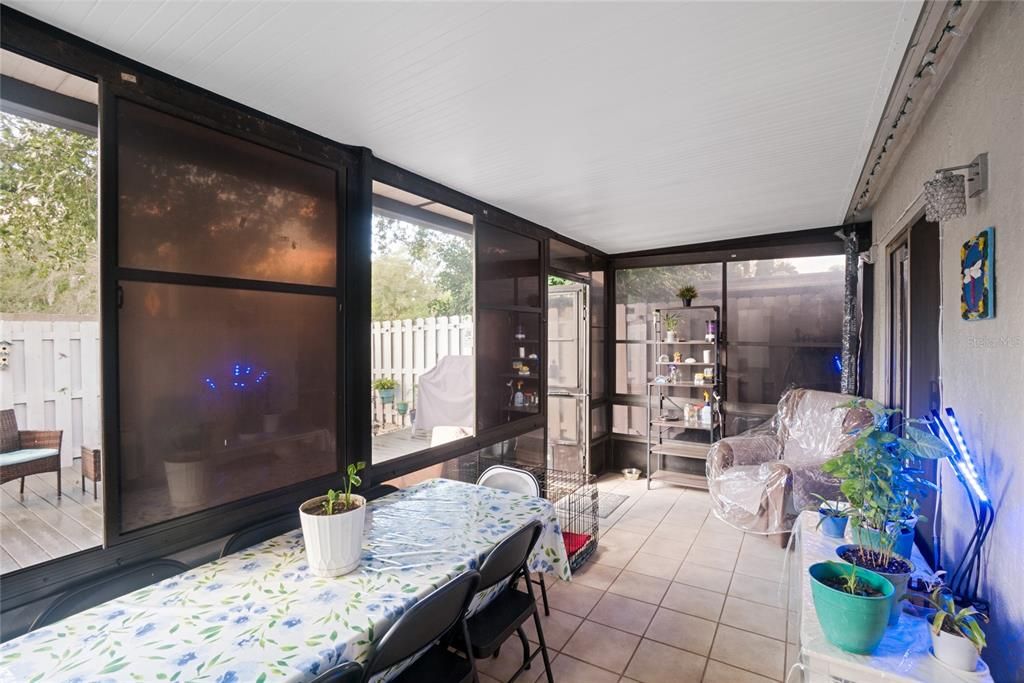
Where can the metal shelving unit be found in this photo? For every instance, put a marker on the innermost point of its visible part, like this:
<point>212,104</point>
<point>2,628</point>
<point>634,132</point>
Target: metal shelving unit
<point>666,418</point>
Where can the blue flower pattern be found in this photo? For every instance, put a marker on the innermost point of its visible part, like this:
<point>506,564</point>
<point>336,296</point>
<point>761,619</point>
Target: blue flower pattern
<point>260,614</point>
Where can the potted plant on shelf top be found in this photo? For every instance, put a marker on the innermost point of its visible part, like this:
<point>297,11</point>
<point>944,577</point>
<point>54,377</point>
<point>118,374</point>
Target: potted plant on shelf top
<point>687,293</point>
<point>671,323</point>
<point>832,516</point>
<point>332,527</point>
<point>879,479</point>
<point>385,387</point>
<point>957,638</point>
<point>852,604</point>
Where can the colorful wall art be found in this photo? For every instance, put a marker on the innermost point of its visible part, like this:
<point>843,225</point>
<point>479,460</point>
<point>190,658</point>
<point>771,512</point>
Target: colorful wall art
<point>978,271</point>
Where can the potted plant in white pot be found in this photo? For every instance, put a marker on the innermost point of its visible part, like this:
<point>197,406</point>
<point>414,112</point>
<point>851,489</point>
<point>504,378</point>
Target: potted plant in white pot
<point>957,638</point>
<point>671,323</point>
<point>332,527</point>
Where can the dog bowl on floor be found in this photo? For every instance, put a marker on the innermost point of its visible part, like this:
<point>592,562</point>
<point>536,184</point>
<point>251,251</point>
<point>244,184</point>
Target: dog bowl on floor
<point>631,473</point>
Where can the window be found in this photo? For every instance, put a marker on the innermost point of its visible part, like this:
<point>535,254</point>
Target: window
<point>511,355</point>
<point>49,312</point>
<point>422,331</point>
<point>784,328</point>
<point>638,292</point>
<point>227,319</point>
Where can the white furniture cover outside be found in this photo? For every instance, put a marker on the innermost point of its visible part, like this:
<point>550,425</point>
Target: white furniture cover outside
<point>446,396</point>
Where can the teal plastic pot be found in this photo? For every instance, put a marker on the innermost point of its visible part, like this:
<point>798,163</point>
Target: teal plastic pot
<point>851,622</point>
<point>899,583</point>
<point>386,396</point>
<point>870,538</point>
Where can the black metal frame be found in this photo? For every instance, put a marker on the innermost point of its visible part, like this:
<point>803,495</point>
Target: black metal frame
<point>813,242</point>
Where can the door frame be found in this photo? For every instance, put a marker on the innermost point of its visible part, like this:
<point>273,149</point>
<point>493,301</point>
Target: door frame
<point>583,366</point>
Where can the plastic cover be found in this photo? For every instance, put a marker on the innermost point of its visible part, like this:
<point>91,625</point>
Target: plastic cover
<point>761,479</point>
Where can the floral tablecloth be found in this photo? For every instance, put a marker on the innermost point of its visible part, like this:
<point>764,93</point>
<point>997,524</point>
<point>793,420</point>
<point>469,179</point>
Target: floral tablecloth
<point>259,615</point>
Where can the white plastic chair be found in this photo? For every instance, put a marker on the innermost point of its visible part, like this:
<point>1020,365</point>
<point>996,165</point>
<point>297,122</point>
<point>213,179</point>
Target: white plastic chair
<point>518,481</point>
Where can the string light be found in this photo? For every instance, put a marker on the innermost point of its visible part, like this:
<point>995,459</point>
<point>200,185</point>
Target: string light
<point>927,67</point>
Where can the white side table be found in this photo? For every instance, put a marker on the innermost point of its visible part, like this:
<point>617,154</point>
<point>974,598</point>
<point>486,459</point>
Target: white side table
<point>904,653</point>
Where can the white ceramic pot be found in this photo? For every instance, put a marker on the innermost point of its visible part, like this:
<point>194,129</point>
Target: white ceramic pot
<point>671,336</point>
<point>956,652</point>
<point>334,543</point>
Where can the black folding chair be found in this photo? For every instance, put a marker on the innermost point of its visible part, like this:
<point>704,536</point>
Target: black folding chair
<point>257,533</point>
<point>423,629</point>
<point>108,587</point>
<point>506,614</point>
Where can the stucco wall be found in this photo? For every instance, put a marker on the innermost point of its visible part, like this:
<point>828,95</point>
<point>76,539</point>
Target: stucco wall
<point>980,108</point>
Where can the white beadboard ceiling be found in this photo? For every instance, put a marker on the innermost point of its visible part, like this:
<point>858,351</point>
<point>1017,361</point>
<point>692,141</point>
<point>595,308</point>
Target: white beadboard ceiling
<point>625,125</point>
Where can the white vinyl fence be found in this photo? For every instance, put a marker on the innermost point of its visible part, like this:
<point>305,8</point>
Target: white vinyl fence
<point>52,379</point>
<point>405,349</point>
<point>53,375</point>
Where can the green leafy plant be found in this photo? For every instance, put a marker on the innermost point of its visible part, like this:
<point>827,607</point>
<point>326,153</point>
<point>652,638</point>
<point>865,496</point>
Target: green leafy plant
<point>960,622</point>
<point>340,501</point>
<point>384,384</point>
<point>670,321</point>
<point>878,474</point>
<point>687,293</point>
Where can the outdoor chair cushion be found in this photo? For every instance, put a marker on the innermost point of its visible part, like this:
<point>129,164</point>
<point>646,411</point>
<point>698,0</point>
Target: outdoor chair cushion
<point>25,455</point>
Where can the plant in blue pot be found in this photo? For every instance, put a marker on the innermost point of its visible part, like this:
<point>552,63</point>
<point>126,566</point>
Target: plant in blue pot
<point>385,388</point>
<point>832,516</point>
<point>880,479</point>
<point>852,605</point>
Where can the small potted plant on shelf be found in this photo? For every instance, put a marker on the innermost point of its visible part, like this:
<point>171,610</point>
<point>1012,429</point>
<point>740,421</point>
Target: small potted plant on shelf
<point>385,387</point>
<point>957,638</point>
<point>832,516</point>
<point>687,293</point>
<point>671,323</point>
<point>880,482</point>
<point>852,604</point>
<point>332,527</point>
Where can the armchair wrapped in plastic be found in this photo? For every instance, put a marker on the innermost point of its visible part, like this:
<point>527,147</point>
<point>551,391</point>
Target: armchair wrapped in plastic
<point>760,480</point>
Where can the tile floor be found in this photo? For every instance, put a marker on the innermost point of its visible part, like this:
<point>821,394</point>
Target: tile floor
<point>672,595</point>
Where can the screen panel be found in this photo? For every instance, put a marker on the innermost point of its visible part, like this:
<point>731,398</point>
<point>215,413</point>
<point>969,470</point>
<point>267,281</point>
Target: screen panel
<point>225,394</point>
<point>195,200</point>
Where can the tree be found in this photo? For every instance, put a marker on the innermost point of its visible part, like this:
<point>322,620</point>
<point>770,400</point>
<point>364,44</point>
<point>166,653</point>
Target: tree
<point>396,295</point>
<point>48,230</point>
<point>441,260</point>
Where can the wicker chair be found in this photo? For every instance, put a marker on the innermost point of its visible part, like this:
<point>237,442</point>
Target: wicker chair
<point>24,452</point>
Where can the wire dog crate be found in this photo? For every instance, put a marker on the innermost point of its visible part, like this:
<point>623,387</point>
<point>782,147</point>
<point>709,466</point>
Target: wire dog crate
<point>573,494</point>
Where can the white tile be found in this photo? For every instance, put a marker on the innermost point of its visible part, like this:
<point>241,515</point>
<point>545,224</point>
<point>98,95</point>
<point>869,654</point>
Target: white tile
<point>752,616</point>
<point>718,672</point>
<point>684,631</point>
<point>558,628</point>
<point>594,575</point>
<point>749,651</point>
<point>758,590</point>
<point>640,587</point>
<point>565,669</point>
<point>692,600</point>
<point>618,539</point>
<point>574,598</point>
<point>704,577</point>
<point>658,663</point>
<point>713,539</point>
<point>654,565</point>
<point>623,613</point>
<point>613,557</point>
<point>602,646</point>
<point>712,557</point>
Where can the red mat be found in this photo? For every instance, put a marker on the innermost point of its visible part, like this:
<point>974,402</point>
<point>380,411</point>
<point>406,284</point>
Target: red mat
<point>574,542</point>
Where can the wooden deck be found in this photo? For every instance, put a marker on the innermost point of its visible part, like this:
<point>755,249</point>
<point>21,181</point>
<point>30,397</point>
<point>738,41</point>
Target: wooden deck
<point>396,444</point>
<point>38,526</point>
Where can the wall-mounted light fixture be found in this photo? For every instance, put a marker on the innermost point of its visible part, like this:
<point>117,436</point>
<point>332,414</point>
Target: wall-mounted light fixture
<point>945,196</point>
